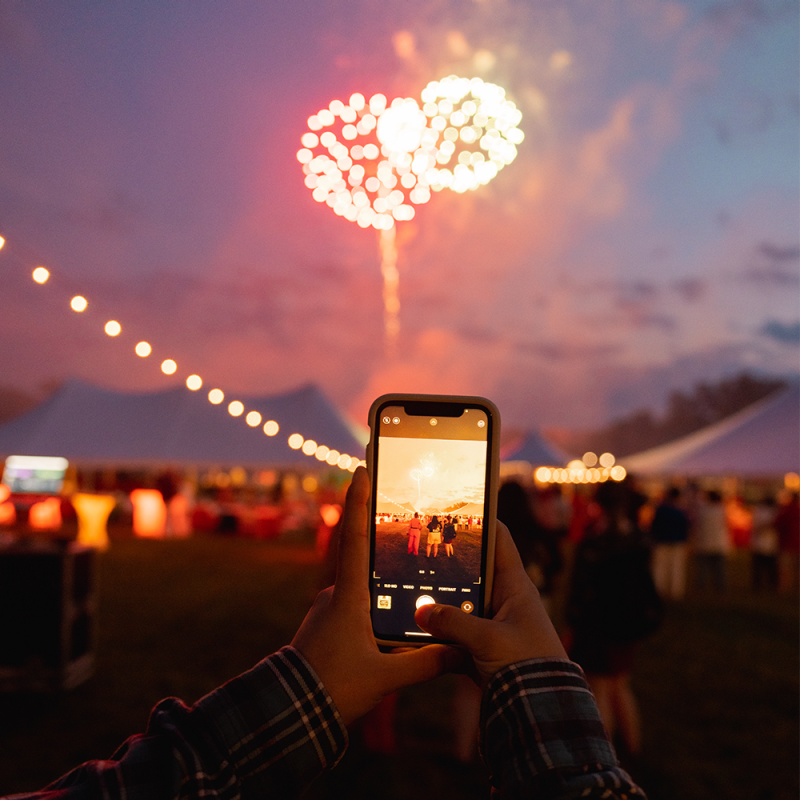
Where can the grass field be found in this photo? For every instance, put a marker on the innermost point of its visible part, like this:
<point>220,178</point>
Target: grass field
<point>718,683</point>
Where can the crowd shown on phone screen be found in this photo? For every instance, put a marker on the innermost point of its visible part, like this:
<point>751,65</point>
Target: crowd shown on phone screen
<point>431,530</point>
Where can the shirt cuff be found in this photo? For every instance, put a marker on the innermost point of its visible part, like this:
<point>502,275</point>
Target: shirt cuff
<point>540,725</point>
<point>277,723</point>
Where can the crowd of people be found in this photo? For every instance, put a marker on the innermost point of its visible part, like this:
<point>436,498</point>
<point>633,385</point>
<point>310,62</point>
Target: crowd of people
<point>607,557</point>
<point>697,531</point>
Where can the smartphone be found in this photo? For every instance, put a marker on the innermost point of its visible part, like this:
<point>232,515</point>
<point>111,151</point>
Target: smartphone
<point>433,464</point>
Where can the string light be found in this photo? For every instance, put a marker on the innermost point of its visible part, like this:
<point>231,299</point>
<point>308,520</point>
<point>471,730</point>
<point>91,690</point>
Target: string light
<point>577,472</point>
<point>216,396</point>
<point>393,502</point>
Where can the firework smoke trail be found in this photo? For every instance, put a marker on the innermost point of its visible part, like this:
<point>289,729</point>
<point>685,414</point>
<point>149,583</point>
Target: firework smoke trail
<point>391,281</point>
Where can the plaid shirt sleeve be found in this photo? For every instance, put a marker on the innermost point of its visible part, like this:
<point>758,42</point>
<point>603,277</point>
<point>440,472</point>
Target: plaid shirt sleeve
<point>542,737</point>
<point>267,733</point>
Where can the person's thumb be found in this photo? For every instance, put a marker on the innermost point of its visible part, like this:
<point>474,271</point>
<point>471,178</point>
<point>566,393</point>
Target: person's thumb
<point>453,625</point>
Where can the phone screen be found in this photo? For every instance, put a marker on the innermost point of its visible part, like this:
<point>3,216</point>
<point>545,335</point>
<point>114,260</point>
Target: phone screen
<point>429,502</point>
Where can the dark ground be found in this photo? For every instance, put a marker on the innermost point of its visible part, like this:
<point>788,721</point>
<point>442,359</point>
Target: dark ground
<point>392,560</point>
<point>717,684</point>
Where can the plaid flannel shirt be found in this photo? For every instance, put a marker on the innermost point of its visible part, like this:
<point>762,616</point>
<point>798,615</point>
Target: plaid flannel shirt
<point>272,730</point>
<point>542,736</point>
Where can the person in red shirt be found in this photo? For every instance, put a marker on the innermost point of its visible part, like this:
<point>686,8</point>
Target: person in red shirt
<point>414,528</point>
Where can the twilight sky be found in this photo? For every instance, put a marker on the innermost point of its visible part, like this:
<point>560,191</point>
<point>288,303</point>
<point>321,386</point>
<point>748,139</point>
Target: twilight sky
<point>646,236</point>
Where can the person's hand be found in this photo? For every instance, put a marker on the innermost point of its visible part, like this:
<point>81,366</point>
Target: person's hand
<point>336,636</point>
<point>518,629</point>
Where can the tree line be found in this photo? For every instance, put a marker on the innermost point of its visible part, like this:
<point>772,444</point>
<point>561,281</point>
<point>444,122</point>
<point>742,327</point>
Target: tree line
<point>686,412</point>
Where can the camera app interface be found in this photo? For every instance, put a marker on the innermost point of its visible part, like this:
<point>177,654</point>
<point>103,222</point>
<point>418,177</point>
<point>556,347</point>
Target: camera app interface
<point>429,507</point>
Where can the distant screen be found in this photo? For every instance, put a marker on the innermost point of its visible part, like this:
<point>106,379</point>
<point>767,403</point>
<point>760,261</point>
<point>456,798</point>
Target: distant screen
<point>34,474</point>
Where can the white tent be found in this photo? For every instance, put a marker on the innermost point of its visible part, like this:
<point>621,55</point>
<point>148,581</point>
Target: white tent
<point>470,509</point>
<point>97,427</point>
<point>762,440</point>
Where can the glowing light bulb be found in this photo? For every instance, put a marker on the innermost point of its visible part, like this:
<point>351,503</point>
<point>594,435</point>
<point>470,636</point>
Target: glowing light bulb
<point>194,382</point>
<point>143,349</point>
<point>271,427</point>
<point>590,459</point>
<point>309,447</point>
<point>79,303</point>
<point>168,366</point>
<point>322,452</point>
<point>295,441</point>
<point>40,275</point>
<point>113,328</point>
<point>618,473</point>
<point>543,475</point>
<point>253,419</point>
<point>216,396</point>
<point>344,461</point>
<point>235,408</point>
<point>332,457</point>
<point>607,460</point>
<point>2,242</point>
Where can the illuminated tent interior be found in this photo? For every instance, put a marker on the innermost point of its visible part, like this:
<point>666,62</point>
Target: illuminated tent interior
<point>535,450</point>
<point>93,426</point>
<point>762,440</point>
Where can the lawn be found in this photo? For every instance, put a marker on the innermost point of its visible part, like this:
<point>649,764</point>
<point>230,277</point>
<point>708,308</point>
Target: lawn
<point>718,683</point>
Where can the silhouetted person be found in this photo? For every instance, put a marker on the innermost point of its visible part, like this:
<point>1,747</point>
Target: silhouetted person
<point>670,532</point>
<point>787,524</point>
<point>449,535</point>
<point>612,605</point>
<point>764,546</point>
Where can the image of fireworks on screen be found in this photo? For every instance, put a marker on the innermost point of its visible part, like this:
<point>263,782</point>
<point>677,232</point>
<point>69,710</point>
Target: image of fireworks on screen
<point>432,475</point>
